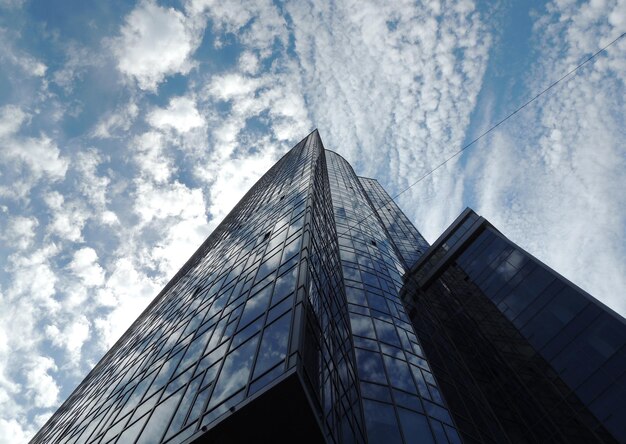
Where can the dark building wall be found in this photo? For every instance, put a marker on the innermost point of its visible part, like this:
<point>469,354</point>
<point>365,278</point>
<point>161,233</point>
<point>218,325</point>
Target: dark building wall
<point>522,354</point>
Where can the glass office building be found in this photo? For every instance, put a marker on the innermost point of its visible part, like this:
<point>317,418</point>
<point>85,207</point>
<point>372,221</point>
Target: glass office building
<point>521,353</point>
<point>314,313</point>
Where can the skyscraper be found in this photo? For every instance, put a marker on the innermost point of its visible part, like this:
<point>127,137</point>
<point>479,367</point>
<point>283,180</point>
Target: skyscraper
<point>288,324</point>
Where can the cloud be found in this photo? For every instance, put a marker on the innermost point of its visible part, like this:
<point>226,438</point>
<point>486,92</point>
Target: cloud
<point>155,42</point>
<point>34,277</point>
<point>249,62</point>
<point>235,178</point>
<point>85,266</point>
<point>12,56</point>
<point>11,119</point>
<point>181,115</point>
<point>68,217</point>
<point>151,158</point>
<point>94,187</point>
<point>39,154</point>
<point>20,232</point>
<point>72,337</point>
<point>11,431</point>
<point>167,200</point>
<point>257,25</point>
<point>120,120</point>
<point>41,385</point>
<point>391,87</point>
<point>550,180</point>
<point>129,290</point>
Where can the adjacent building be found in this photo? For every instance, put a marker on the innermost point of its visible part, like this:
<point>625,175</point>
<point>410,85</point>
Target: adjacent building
<point>317,312</point>
<point>521,353</point>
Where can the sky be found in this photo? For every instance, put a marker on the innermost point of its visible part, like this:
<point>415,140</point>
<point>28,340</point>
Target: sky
<point>128,130</point>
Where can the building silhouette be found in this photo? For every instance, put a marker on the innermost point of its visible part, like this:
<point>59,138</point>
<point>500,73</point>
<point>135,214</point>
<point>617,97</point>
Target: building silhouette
<point>316,312</point>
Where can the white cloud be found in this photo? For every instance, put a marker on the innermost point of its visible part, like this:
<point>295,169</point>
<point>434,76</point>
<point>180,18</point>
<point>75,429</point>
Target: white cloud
<point>71,337</point>
<point>41,385</point>
<point>234,85</point>
<point>180,115</point>
<point>249,62</point>
<point>68,217</point>
<point>130,291</point>
<point>182,240</point>
<point>391,87</point>
<point>155,42</point>
<point>257,24</point>
<point>552,179</point>
<point>171,200</point>
<point>33,277</point>
<point>78,59</point>
<point>234,179</point>
<point>11,119</point>
<point>20,232</point>
<point>93,186</point>
<point>10,55</point>
<point>85,266</point>
<point>151,158</point>
<point>120,120</point>
<point>12,431</point>
<point>40,154</point>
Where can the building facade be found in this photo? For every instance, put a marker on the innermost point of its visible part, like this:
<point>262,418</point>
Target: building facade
<point>522,354</point>
<point>313,313</point>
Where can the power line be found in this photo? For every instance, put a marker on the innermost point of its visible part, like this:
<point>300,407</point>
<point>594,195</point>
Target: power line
<point>496,125</point>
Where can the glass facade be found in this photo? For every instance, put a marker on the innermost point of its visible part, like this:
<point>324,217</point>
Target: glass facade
<point>409,242</point>
<point>317,311</point>
<point>401,399</point>
<point>260,301</point>
<point>522,354</point>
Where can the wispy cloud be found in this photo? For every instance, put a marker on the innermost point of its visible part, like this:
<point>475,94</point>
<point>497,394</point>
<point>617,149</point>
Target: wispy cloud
<point>552,178</point>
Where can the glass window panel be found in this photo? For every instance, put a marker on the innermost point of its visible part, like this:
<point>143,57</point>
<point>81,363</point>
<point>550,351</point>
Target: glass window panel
<point>356,296</point>
<point>130,434</point>
<point>198,405</point>
<point>406,400</point>
<point>285,284</point>
<point>362,325</point>
<point>165,373</point>
<point>375,391</point>
<point>437,412</point>
<point>234,374</point>
<point>269,265</point>
<point>370,366</point>
<point>387,332</point>
<point>195,350</point>
<point>137,394</point>
<point>273,345</point>
<point>160,419</point>
<point>399,374</point>
<point>377,303</point>
<point>183,408</point>
<point>415,427</point>
<point>380,422</point>
<point>280,308</point>
<point>256,305</point>
<point>178,382</point>
<point>247,332</point>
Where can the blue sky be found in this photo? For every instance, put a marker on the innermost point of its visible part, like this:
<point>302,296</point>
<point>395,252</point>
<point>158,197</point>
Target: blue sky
<point>128,130</point>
